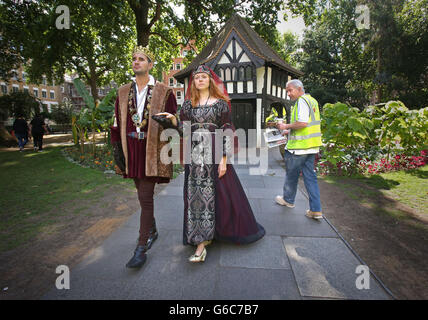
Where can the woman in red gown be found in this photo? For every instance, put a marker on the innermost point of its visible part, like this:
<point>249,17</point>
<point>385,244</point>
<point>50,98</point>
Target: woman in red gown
<point>215,204</point>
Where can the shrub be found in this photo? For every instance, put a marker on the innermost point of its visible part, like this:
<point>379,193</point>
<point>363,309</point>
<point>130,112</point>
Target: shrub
<point>378,139</point>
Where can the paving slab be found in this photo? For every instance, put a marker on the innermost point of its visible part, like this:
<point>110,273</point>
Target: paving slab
<point>267,253</point>
<point>284,221</point>
<point>274,182</point>
<point>172,191</point>
<point>248,181</point>
<point>251,284</point>
<point>87,288</point>
<point>325,267</point>
<point>163,278</point>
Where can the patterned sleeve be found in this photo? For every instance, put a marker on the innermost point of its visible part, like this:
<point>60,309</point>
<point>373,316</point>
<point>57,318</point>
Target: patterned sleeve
<point>226,123</point>
<point>184,116</point>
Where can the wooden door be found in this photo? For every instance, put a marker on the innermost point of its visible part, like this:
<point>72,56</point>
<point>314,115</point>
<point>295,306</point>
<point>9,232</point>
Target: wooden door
<point>244,115</point>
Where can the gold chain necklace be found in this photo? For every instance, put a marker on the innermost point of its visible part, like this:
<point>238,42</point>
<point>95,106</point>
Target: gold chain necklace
<point>139,123</point>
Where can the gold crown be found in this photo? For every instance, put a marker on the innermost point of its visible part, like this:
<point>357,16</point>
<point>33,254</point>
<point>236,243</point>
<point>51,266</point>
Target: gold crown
<point>145,51</point>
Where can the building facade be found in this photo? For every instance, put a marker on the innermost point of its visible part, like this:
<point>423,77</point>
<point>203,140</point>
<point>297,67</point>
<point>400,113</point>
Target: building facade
<point>48,94</point>
<point>176,66</point>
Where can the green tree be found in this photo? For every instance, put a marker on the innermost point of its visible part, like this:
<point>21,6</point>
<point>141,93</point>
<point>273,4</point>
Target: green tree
<point>97,45</point>
<point>93,116</point>
<point>19,104</point>
<point>334,62</point>
<point>99,51</point>
<point>386,61</point>
<point>62,114</point>
<point>159,26</point>
<point>287,45</point>
<point>10,57</point>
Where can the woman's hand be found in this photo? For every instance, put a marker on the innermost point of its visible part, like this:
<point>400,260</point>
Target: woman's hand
<point>169,116</point>
<point>222,167</point>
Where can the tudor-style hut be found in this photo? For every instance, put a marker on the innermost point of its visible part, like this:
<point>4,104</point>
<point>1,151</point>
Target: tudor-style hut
<point>254,74</point>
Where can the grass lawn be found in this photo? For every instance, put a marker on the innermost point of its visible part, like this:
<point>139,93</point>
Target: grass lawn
<point>34,188</point>
<point>410,188</point>
<point>407,187</point>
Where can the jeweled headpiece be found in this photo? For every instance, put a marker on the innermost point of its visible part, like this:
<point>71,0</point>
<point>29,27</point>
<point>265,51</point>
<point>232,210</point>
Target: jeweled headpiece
<point>202,69</point>
<point>145,51</point>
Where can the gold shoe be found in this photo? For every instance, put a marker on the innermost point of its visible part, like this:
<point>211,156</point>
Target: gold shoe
<point>200,258</point>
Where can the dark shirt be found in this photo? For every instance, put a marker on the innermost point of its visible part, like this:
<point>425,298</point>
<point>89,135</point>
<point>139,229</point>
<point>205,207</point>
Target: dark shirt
<point>37,125</point>
<point>20,126</point>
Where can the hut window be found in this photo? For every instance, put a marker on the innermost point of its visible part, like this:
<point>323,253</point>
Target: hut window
<point>228,76</point>
<point>241,75</point>
<point>248,73</point>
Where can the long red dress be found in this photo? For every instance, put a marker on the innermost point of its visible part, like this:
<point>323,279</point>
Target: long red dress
<point>214,208</point>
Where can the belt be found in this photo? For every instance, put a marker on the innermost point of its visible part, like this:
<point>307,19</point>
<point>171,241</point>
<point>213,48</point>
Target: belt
<point>138,135</point>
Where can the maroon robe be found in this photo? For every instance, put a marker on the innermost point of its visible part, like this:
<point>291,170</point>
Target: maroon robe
<point>137,148</point>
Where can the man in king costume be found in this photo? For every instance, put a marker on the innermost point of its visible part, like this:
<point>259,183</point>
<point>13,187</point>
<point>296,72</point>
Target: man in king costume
<point>139,137</point>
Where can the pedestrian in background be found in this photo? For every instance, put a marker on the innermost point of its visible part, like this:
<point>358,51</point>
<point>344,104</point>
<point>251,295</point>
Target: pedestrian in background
<point>20,128</point>
<point>38,129</point>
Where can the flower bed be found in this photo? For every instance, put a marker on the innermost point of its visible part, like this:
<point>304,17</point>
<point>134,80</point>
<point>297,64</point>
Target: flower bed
<point>349,165</point>
<point>102,160</point>
<point>382,138</point>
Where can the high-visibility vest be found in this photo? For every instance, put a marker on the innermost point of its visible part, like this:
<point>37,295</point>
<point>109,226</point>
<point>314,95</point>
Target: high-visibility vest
<point>274,114</point>
<point>310,136</point>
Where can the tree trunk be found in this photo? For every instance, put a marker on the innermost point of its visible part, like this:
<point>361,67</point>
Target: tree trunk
<point>379,68</point>
<point>93,80</point>
<point>141,10</point>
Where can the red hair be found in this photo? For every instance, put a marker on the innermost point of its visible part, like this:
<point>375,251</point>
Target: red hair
<point>214,90</point>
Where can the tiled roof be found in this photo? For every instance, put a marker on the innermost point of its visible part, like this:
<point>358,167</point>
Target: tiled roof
<point>254,42</point>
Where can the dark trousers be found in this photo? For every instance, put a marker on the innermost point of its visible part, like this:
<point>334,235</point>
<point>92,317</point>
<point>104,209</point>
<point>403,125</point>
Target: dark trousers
<point>38,140</point>
<point>145,191</point>
<point>22,139</point>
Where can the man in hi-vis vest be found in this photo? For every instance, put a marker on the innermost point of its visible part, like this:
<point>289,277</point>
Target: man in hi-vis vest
<point>304,140</point>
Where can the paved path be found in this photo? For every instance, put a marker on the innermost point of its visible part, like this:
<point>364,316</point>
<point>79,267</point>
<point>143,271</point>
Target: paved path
<point>299,258</point>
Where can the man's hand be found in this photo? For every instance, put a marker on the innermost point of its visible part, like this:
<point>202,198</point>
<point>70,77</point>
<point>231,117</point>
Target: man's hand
<point>281,126</point>
<point>285,132</point>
